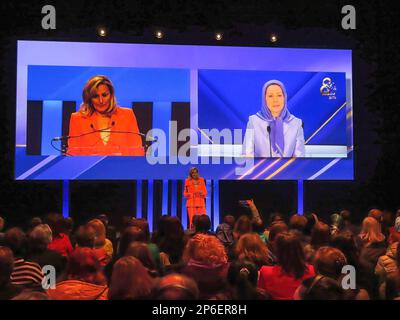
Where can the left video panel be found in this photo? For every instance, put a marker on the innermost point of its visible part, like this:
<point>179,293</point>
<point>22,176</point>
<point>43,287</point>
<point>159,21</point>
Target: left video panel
<point>101,111</point>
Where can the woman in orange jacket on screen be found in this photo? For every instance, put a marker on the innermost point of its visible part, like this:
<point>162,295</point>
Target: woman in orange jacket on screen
<point>100,127</point>
<point>195,193</point>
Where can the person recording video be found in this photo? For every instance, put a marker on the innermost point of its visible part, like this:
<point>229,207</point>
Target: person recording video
<point>100,127</point>
<point>274,131</point>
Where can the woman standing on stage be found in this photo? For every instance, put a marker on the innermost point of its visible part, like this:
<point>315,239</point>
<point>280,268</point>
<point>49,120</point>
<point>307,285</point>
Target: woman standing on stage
<point>195,193</point>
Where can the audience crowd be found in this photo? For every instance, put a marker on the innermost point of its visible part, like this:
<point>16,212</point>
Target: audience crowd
<point>246,258</point>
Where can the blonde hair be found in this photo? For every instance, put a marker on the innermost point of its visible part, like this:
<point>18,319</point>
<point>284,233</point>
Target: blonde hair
<point>89,91</point>
<point>371,231</point>
<point>100,232</point>
<point>205,248</point>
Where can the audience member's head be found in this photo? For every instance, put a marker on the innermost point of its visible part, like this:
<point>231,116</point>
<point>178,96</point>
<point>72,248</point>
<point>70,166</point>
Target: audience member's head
<point>376,214</point>
<point>297,222</point>
<point>243,277</point>
<point>346,243</point>
<point>140,251</point>
<point>206,249</point>
<point>329,262</point>
<point>56,223</point>
<point>100,232</point>
<point>250,247</point>
<point>39,238</point>
<point>320,235</point>
<point>172,241</point>
<point>15,239</point>
<point>130,235</point>
<point>290,255</point>
<point>143,225</point>
<point>83,265</point>
<point>242,226</point>
<point>230,220</point>
<point>346,216</point>
<point>85,236</point>
<point>6,265</point>
<point>371,231</point>
<point>276,229</point>
<point>35,221</point>
<point>130,280</point>
<point>323,288</point>
<point>276,217</point>
<point>203,224</point>
<point>176,287</point>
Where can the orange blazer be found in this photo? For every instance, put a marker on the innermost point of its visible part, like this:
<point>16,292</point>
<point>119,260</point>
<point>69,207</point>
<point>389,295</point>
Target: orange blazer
<point>195,195</point>
<point>123,144</point>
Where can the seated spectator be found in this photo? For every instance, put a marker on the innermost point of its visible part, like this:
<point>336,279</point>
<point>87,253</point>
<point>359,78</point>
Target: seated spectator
<point>7,289</point>
<point>171,241</point>
<point>376,214</point>
<point>242,282</point>
<point>206,262</point>
<point>35,221</point>
<point>61,242</point>
<point>250,247</point>
<point>387,265</point>
<point>282,280</point>
<point>101,241</point>
<point>346,243</point>
<point>274,231</point>
<point>25,273</point>
<point>85,237</point>
<point>141,251</point>
<point>373,245</point>
<point>154,250</point>
<point>176,286</point>
<point>85,279</point>
<point>203,225</point>
<point>322,288</point>
<point>224,231</point>
<point>394,232</point>
<point>243,225</point>
<point>320,237</point>
<point>298,223</point>
<point>347,223</point>
<point>130,280</point>
<point>111,232</point>
<point>328,264</point>
<point>38,240</point>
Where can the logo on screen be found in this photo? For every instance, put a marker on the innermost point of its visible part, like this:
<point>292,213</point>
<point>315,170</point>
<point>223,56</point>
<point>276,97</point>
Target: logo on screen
<point>328,88</point>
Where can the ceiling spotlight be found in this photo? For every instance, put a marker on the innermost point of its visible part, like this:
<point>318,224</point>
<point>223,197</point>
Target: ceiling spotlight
<point>273,38</point>
<point>218,36</point>
<point>159,34</point>
<point>102,31</point>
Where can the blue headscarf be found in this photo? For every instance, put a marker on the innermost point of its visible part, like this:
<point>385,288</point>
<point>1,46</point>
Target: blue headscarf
<point>277,138</point>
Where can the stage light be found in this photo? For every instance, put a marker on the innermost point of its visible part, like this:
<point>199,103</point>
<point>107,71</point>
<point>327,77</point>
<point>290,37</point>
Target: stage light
<point>273,38</point>
<point>159,34</point>
<point>218,36</point>
<point>102,31</point>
